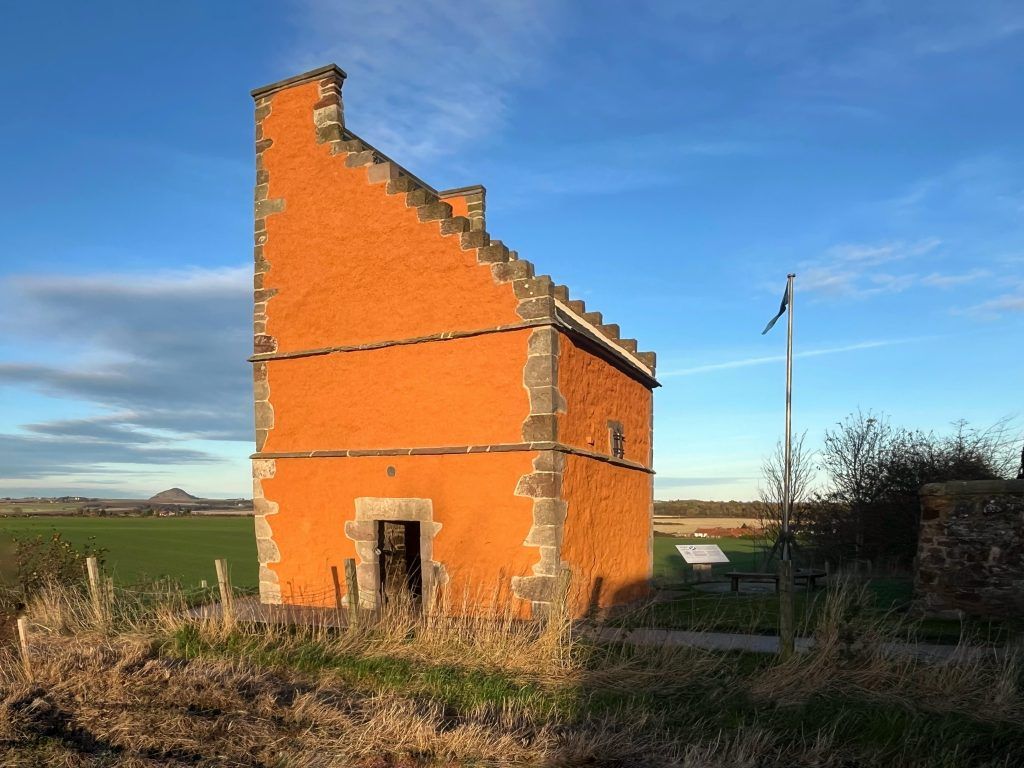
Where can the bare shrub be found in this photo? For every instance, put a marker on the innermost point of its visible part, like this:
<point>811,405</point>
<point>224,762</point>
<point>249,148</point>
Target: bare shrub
<point>43,560</point>
<point>874,471</point>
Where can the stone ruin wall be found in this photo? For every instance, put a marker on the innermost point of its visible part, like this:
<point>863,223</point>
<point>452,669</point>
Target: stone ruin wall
<point>970,558</point>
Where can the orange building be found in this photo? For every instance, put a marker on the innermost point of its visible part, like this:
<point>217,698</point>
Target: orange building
<point>424,403</point>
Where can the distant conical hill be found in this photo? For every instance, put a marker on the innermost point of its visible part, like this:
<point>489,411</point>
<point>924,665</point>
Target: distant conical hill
<point>173,495</point>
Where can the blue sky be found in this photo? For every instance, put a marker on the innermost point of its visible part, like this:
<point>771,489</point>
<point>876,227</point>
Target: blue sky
<point>670,163</point>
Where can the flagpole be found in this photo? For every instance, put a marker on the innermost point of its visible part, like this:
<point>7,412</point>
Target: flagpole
<point>787,488</point>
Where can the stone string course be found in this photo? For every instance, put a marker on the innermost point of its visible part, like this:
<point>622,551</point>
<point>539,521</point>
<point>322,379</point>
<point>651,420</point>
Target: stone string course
<point>970,558</point>
<point>441,450</point>
<point>441,336</point>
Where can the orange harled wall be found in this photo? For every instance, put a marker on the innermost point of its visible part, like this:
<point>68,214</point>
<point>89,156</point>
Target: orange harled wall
<point>352,265</point>
<point>607,532</point>
<point>483,524</point>
<point>596,393</point>
<point>608,521</point>
<point>458,392</point>
<point>357,291</point>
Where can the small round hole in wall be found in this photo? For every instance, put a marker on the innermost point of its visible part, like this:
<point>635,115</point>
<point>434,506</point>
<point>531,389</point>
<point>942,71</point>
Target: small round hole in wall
<point>391,471</point>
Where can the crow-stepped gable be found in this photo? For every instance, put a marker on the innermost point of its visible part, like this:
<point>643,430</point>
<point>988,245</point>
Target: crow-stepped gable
<point>425,403</point>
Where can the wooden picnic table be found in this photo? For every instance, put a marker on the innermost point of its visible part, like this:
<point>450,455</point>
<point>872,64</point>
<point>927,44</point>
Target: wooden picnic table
<point>809,575</point>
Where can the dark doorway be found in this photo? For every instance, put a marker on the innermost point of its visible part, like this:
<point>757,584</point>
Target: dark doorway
<point>401,574</point>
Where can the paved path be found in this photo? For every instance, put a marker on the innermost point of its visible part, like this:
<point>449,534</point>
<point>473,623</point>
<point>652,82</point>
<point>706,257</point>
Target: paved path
<point>250,610</point>
<point>726,641</point>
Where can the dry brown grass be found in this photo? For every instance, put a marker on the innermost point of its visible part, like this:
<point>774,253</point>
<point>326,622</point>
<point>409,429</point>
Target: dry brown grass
<point>144,684</point>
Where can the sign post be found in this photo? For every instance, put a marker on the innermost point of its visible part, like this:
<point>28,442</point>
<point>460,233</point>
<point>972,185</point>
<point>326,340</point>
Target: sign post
<point>701,557</point>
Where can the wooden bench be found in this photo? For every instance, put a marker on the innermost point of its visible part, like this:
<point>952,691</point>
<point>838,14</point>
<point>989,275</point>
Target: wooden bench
<point>809,576</point>
<point>737,576</point>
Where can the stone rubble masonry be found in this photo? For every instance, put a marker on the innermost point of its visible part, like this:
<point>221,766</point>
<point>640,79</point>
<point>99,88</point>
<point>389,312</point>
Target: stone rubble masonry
<point>363,532</point>
<point>970,558</point>
<point>266,548</point>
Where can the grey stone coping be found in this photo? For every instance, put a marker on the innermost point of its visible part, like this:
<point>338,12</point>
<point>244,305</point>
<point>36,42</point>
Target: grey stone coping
<point>313,74</point>
<point>443,193</point>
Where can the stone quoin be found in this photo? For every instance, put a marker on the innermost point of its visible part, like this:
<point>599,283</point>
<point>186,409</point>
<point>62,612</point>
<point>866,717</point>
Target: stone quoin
<point>425,403</point>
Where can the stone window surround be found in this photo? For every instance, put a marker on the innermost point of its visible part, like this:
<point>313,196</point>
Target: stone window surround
<point>363,532</point>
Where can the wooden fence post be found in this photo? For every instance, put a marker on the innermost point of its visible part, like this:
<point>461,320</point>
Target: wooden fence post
<point>336,579</point>
<point>23,641</point>
<point>352,586</point>
<point>787,627</point>
<point>108,595</point>
<point>92,568</point>
<point>224,584</point>
<point>558,611</point>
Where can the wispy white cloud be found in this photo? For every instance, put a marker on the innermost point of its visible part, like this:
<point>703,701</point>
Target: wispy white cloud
<point>855,269</point>
<point>424,78</point>
<point>992,309</point>
<point>939,280</point>
<point>747,362</point>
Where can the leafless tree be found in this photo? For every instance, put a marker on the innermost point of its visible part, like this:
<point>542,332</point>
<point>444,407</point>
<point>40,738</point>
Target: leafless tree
<point>772,491</point>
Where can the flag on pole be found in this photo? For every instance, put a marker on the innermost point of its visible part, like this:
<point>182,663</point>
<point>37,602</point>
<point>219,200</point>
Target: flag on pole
<point>782,311</point>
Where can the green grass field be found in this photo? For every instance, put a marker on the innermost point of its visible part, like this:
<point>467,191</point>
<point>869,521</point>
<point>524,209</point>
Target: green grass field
<point>144,548</point>
<point>670,568</point>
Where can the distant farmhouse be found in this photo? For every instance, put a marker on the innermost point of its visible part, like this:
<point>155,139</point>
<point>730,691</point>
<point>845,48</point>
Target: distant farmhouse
<point>425,404</point>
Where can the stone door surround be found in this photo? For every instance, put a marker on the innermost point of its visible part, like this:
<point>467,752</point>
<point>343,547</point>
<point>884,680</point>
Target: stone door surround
<point>363,531</point>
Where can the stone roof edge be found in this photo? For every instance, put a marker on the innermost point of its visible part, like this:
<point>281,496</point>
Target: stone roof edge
<point>380,158</point>
<point>288,82</point>
<point>443,193</point>
<point>579,325</point>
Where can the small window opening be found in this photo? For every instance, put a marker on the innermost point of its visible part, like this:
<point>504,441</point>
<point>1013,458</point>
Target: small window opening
<point>618,439</point>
